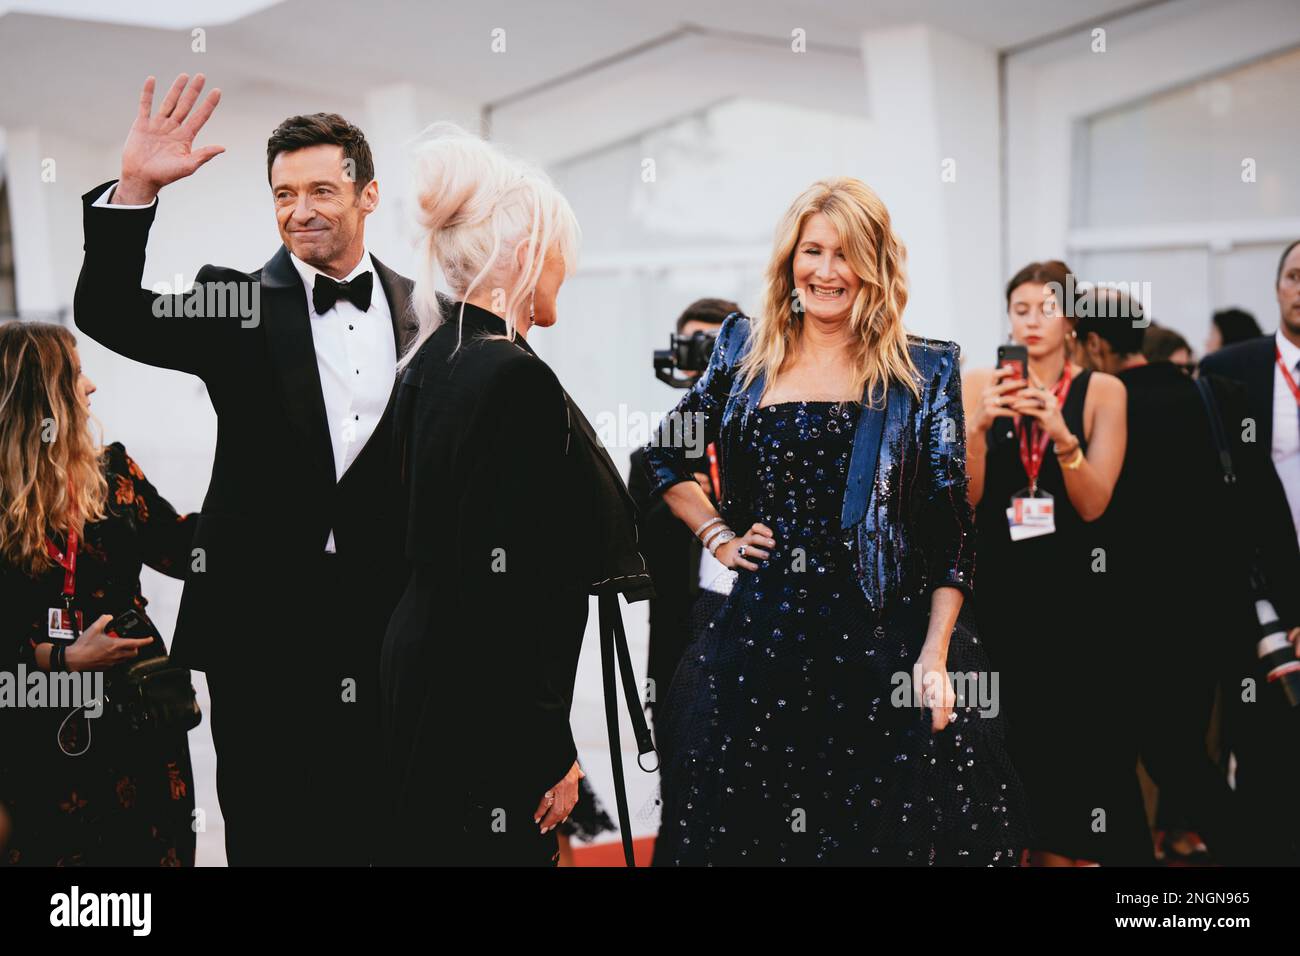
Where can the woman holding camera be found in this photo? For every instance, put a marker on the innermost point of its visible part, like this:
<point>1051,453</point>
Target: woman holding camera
<point>816,721</point>
<point>77,522</point>
<point>1045,445</point>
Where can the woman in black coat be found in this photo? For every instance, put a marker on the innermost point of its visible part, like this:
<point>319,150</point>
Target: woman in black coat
<point>507,531</point>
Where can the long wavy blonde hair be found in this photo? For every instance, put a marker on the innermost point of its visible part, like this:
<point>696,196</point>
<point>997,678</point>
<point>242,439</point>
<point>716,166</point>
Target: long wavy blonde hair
<point>876,256</point>
<point>51,477</point>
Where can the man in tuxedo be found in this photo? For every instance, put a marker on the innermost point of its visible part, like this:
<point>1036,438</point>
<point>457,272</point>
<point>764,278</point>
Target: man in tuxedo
<point>1269,367</point>
<point>686,577</point>
<point>1265,735</point>
<point>298,557</point>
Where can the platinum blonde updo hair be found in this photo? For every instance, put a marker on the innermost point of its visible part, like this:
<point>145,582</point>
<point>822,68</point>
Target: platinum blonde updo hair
<point>486,221</point>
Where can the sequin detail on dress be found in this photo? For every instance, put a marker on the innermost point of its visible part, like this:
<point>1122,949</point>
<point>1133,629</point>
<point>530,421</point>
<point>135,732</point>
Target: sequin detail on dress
<point>780,738</point>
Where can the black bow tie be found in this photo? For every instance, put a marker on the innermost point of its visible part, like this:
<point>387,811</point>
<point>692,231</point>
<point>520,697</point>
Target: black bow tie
<point>327,291</point>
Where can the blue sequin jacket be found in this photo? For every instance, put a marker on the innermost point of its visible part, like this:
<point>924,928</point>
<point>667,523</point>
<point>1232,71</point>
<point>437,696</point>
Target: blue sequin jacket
<point>906,487</point>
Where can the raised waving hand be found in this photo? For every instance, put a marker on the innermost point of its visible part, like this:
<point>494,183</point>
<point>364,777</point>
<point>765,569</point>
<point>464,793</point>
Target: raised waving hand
<point>159,148</point>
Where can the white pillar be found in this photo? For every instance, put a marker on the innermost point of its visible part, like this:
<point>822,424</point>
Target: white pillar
<point>394,115</point>
<point>29,196</point>
<point>933,102</point>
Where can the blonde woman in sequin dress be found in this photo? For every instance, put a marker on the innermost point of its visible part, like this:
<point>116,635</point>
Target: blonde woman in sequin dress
<point>826,715</point>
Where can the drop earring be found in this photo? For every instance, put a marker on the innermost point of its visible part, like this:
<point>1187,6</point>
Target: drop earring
<point>532,308</point>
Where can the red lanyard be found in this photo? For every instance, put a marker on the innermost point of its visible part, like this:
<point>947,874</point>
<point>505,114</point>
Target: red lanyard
<point>1033,440</point>
<point>68,562</point>
<point>1286,373</point>
<point>713,472</point>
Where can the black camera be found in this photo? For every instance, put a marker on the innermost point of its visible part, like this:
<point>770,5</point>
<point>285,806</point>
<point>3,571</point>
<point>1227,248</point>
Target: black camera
<point>685,353</point>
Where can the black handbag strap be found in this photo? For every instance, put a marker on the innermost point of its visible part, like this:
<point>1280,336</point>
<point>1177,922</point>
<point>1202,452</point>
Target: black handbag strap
<point>1216,430</point>
<point>613,645</point>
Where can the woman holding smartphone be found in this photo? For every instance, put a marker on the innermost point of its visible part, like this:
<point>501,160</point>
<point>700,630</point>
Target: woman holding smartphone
<point>77,522</point>
<point>1045,444</point>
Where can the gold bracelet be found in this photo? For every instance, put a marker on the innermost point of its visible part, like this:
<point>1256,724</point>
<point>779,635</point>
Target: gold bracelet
<point>1076,461</point>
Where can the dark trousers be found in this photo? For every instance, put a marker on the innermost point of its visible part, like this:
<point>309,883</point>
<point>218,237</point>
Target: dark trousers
<point>296,729</point>
<point>1175,720</point>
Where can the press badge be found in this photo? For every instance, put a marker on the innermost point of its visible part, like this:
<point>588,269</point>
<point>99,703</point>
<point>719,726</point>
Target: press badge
<point>1031,515</point>
<point>60,629</point>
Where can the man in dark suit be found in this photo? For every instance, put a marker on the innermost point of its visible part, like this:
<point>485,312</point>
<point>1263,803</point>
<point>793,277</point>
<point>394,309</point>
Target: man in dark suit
<point>1269,367</point>
<point>303,519</point>
<point>1265,735</point>
<point>676,559</point>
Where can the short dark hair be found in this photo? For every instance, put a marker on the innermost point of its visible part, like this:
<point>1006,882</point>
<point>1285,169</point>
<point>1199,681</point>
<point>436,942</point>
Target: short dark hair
<point>1236,325</point>
<point>712,311</point>
<point>1117,319</point>
<point>1160,343</point>
<point>1282,262</point>
<point>1041,273</point>
<point>323,129</point>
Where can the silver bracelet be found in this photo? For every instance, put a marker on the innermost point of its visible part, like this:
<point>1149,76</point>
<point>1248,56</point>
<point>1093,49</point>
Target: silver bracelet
<point>721,540</point>
<point>712,521</point>
<point>714,533</point>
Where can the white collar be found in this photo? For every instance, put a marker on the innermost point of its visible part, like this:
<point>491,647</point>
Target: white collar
<point>310,272</point>
<point>1290,351</point>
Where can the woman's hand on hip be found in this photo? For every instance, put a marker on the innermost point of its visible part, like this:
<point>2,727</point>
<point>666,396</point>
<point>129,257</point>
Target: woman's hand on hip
<point>736,553</point>
<point>558,802</point>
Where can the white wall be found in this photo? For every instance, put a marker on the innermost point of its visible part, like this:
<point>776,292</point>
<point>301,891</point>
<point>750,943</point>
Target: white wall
<point>1195,259</point>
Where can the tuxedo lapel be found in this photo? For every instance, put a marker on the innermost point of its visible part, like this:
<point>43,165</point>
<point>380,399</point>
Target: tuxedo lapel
<point>398,292</point>
<point>293,359</point>
<point>1261,382</point>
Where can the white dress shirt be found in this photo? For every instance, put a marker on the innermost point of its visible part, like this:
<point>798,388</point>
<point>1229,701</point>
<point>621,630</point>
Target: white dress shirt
<point>1286,426</point>
<point>356,355</point>
<point>714,575</point>
<point>357,358</point>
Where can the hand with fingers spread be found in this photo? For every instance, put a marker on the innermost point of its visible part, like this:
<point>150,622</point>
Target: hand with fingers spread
<point>754,543</point>
<point>159,148</point>
<point>558,802</point>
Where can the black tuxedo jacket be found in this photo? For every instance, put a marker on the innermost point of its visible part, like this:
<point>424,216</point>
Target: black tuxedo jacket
<point>1251,364</point>
<point>273,496</point>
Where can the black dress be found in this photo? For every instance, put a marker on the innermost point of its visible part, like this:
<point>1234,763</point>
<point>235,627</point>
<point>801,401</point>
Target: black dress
<point>1067,674</point>
<point>127,800</point>
<point>782,738</point>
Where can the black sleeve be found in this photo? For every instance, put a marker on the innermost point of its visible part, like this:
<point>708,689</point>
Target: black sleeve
<point>189,332</point>
<point>515,544</point>
<point>1270,532</point>
<point>638,482</point>
<point>166,538</point>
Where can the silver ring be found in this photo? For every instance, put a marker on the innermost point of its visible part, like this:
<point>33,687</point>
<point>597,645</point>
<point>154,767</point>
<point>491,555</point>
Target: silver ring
<point>741,551</point>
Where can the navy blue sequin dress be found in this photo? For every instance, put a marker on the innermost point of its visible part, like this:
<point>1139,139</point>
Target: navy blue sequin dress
<point>780,740</point>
